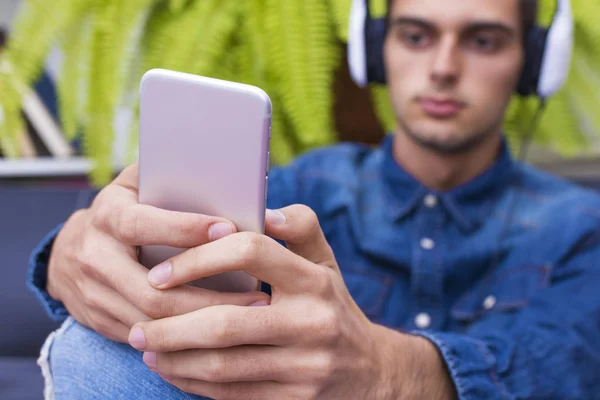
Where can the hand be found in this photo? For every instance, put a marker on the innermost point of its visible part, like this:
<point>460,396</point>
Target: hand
<point>312,341</point>
<point>94,270</point>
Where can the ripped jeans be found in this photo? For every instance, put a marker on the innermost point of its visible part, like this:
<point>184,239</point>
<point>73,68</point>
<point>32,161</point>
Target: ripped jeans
<point>77,363</point>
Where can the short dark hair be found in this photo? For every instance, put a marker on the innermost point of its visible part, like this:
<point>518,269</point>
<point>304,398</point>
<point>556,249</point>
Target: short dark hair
<point>529,11</point>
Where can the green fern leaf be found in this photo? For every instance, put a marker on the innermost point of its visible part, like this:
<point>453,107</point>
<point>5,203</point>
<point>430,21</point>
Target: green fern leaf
<point>570,125</point>
<point>340,9</point>
<point>211,45</point>
<point>11,124</point>
<point>112,26</point>
<point>35,30</point>
<point>304,55</point>
<point>73,77</point>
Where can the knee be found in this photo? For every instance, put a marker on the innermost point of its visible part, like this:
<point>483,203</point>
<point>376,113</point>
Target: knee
<point>78,363</point>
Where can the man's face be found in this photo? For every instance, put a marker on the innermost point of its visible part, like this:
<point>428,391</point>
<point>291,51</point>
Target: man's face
<point>452,67</point>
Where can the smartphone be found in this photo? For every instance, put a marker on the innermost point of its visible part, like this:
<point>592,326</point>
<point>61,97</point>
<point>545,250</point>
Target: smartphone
<point>204,147</point>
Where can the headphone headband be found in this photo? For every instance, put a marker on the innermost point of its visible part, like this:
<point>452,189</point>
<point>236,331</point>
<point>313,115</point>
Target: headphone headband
<point>548,50</point>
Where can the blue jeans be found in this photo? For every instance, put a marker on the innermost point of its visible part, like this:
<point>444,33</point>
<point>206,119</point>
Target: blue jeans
<point>77,363</point>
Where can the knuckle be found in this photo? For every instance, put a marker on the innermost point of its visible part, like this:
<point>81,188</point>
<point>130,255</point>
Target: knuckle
<point>150,302</point>
<point>324,366</point>
<point>305,211</point>
<point>91,299</point>
<point>165,365</point>
<point>225,328</point>
<point>102,326</point>
<point>87,258</point>
<point>217,368</point>
<point>130,226</point>
<point>189,225</point>
<point>250,248</point>
<point>326,324</point>
<point>78,215</point>
<point>229,391</point>
<point>309,216</point>
<point>156,304</point>
<point>102,213</point>
<point>308,224</point>
<point>308,391</point>
<point>168,306</point>
<point>323,282</point>
<point>313,393</point>
<point>156,335</point>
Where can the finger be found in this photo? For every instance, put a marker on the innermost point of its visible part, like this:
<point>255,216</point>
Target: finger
<point>258,255</point>
<point>234,364</point>
<point>215,327</point>
<point>130,279</point>
<point>299,227</point>
<point>129,178</point>
<point>144,225</point>
<point>124,187</point>
<point>236,390</point>
<point>106,301</point>
<point>109,327</point>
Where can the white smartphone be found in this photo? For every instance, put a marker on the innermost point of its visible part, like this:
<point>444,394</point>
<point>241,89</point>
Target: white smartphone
<point>204,148</point>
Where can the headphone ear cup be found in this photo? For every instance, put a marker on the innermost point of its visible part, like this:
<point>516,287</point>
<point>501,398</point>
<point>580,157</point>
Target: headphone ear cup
<point>534,54</point>
<point>376,31</point>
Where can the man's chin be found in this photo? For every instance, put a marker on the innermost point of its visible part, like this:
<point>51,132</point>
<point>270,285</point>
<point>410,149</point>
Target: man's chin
<point>445,144</point>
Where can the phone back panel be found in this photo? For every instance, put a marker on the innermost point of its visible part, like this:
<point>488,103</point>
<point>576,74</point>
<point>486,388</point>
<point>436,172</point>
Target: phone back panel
<point>204,148</point>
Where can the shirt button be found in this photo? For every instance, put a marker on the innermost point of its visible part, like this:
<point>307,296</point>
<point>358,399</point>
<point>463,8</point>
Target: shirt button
<point>427,244</point>
<point>489,302</point>
<point>423,321</point>
<point>430,201</point>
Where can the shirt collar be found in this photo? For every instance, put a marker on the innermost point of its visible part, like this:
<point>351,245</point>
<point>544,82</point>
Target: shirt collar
<point>468,204</point>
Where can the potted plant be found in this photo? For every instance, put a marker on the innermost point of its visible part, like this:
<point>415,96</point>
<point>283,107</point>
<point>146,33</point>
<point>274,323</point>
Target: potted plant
<point>293,49</point>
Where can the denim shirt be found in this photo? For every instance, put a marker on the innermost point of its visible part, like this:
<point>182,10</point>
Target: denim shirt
<point>501,273</point>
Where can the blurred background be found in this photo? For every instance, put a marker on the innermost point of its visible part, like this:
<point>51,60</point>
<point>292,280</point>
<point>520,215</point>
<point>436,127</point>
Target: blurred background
<point>69,79</point>
<point>70,73</point>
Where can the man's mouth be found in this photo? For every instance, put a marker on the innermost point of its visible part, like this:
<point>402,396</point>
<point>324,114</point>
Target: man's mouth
<point>440,107</point>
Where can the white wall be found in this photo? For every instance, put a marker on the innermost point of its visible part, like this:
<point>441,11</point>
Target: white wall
<point>8,8</point>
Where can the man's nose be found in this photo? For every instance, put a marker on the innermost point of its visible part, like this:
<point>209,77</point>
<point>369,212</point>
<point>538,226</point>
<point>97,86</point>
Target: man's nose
<point>446,63</point>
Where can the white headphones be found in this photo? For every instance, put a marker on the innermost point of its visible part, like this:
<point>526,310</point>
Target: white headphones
<point>548,50</point>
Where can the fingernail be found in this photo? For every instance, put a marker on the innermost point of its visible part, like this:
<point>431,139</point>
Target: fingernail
<point>150,360</point>
<point>137,339</point>
<point>261,303</point>
<point>275,217</point>
<point>219,230</point>
<point>161,274</point>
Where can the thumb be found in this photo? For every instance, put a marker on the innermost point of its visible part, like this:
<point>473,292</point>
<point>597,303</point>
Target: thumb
<point>298,226</point>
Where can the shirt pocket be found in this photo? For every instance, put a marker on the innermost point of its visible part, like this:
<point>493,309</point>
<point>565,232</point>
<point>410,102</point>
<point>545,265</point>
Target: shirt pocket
<point>503,291</point>
<point>369,288</point>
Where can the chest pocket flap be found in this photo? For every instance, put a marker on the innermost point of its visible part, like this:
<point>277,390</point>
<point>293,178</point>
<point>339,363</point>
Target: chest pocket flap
<point>505,290</point>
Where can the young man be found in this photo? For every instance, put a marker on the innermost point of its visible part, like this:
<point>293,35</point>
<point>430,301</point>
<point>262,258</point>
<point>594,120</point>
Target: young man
<point>407,273</point>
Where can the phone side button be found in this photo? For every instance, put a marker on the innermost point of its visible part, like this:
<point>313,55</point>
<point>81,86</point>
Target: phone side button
<point>266,185</point>
<point>268,162</point>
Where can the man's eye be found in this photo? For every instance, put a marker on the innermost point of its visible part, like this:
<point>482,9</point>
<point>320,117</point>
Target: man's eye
<point>415,39</point>
<point>484,43</point>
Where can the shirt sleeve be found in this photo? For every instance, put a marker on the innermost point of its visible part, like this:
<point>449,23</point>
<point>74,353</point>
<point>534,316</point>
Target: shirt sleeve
<point>283,187</point>
<point>37,276</point>
<point>37,270</point>
<point>550,349</point>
